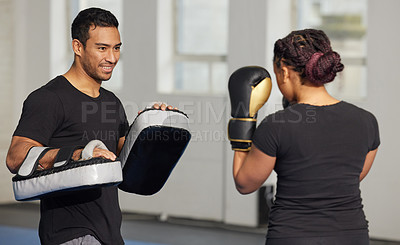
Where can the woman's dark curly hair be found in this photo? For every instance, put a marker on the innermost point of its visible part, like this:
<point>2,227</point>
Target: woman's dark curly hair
<point>88,18</point>
<point>309,52</point>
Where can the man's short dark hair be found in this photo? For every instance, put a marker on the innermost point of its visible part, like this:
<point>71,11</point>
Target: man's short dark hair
<point>88,18</point>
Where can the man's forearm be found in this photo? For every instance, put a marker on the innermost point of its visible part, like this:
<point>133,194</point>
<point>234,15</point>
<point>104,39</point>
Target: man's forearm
<point>20,147</point>
<point>47,161</point>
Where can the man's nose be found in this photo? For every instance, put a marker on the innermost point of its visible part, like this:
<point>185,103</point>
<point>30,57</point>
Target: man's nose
<point>112,56</point>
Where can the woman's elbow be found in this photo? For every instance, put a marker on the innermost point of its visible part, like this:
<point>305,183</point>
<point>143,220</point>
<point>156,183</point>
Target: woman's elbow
<point>244,190</point>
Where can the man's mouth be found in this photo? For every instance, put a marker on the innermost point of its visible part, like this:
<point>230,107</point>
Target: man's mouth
<point>107,69</point>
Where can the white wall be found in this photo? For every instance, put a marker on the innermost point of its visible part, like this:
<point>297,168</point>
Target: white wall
<point>246,46</point>
<point>27,23</point>
<point>380,189</point>
<point>194,189</point>
<point>201,185</point>
<point>6,92</point>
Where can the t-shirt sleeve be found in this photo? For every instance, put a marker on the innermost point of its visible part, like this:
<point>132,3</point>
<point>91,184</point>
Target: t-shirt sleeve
<point>373,134</point>
<point>124,125</point>
<point>41,114</point>
<point>265,137</point>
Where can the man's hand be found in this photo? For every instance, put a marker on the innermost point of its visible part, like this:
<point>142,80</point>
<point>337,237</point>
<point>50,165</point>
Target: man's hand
<point>97,148</point>
<point>161,106</point>
<point>164,106</point>
<point>97,152</point>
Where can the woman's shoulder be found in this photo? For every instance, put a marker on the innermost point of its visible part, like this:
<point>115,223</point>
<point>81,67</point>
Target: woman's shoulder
<point>289,114</point>
<point>354,109</point>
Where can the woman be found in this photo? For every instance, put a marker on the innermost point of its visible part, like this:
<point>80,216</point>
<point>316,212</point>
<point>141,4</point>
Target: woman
<point>320,148</point>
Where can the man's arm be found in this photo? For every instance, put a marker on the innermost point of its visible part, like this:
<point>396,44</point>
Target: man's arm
<point>16,153</point>
<point>21,145</point>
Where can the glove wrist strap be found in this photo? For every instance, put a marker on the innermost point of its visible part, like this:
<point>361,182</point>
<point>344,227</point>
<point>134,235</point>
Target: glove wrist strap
<point>241,129</point>
<point>241,146</point>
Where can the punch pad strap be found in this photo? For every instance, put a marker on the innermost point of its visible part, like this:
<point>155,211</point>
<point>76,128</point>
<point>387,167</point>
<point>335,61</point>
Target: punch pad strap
<point>87,152</point>
<point>64,155</point>
<point>31,160</point>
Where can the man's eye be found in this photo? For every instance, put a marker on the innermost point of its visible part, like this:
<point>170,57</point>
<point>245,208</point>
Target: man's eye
<point>102,48</point>
<point>117,48</point>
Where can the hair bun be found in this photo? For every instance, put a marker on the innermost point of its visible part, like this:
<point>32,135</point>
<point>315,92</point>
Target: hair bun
<point>322,67</point>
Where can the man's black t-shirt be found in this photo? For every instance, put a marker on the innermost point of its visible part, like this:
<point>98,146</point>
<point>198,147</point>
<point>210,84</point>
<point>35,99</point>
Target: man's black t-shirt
<point>320,153</point>
<point>59,115</point>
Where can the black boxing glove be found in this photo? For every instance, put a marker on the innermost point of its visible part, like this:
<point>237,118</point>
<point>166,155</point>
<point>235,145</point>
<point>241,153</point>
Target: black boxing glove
<point>249,89</point>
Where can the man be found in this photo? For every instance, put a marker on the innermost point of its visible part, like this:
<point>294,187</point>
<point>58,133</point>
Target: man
<point>71,110</point>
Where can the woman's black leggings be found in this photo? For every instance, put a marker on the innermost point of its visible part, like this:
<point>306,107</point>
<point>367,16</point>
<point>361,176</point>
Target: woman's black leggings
<point>359,239</point>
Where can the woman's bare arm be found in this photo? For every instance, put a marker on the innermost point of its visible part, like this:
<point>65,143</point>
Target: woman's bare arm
<point>251,169</point>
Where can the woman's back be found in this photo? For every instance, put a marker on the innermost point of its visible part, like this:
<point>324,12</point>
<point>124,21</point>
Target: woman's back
<point>320,147</point>
<point>320,152</point>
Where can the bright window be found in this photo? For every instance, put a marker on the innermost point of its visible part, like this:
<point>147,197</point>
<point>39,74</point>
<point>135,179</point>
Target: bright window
<point>200,46</point>
<point>345,23</point>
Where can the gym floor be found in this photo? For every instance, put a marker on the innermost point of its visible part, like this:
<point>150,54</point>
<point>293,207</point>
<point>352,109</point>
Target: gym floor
<point>19,221</point>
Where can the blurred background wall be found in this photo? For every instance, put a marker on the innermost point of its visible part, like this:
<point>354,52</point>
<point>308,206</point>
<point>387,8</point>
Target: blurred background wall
<point>182,52</point>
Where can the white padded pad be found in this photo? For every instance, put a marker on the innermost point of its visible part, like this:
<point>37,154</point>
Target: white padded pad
<point>32,184</point>
<point>101,172</point>
<point>153,146</point>
<point>151,118</point>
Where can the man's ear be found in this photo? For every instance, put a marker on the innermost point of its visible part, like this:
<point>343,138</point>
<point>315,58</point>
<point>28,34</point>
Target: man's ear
<point>77,46</point>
